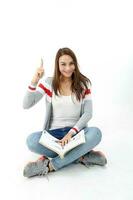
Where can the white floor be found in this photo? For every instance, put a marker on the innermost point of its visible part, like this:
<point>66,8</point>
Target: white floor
<point>75,181</point>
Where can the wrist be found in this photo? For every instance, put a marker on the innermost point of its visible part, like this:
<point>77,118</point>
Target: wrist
<point>74,130</point>
<point>71,133</point>
<point>34,81</point>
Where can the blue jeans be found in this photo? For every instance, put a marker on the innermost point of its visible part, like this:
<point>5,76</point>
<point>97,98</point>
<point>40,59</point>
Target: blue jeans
<point>93,136</point>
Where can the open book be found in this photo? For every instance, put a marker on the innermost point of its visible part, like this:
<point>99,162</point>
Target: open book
<point>51,142</point>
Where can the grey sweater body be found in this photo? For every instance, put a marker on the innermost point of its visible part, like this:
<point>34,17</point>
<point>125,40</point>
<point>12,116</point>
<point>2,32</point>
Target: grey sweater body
<point>44,88</point>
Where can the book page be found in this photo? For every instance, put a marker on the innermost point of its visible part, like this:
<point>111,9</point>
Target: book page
<point>50,142</point>
<point>75,141</point>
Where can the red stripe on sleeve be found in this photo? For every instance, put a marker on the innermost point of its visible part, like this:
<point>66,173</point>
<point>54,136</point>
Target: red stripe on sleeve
<point>75,130</point>
<point>87,91</point>
<point>31,88</point>
<point>47,91</point>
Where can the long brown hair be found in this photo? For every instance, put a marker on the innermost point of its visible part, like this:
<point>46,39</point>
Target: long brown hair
<point>78,79</point>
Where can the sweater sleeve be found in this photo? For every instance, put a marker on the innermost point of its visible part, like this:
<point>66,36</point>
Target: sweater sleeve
<point>86,111</point>
<point>35,93</point>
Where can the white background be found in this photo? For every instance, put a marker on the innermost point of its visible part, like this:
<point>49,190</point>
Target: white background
<point>101,35</point>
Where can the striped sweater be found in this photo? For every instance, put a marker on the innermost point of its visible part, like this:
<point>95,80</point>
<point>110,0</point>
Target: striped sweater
<point>44,88</point>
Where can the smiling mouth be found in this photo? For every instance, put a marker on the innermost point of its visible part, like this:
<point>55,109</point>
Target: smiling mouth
<point>68,72</point>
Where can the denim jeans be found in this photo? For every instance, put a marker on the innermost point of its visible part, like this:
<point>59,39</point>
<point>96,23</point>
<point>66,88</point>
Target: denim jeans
<point>93,136</point>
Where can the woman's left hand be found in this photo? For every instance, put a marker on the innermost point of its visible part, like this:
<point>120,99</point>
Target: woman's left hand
<point>65,139</point>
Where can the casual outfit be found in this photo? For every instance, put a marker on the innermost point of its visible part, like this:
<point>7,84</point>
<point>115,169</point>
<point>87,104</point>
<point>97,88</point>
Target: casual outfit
<point>35,93</point>
<point>63,114</point>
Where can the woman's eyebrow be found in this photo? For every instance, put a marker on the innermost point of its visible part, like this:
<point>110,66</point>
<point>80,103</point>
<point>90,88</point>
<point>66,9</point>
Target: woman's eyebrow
<point>65,62</point>
<point>62,62</point>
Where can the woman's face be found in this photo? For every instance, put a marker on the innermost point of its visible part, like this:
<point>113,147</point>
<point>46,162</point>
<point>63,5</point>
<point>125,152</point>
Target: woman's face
<point>66,66</point>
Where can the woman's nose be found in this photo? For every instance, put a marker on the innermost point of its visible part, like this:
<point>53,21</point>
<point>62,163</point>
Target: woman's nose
<point>68,68</point>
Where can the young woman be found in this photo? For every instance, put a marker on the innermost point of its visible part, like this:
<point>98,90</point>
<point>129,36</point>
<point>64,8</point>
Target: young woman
<point>68,110</point>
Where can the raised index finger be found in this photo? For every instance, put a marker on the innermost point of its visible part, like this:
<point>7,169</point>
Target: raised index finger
<point>41,65</point>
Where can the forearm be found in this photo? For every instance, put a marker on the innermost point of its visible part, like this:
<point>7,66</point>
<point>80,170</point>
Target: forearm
<point>85,117</point>
<point>32,96</point>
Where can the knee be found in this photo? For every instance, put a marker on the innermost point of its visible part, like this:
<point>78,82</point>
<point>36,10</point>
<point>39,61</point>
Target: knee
<point>98,133</point>
<point>95,132</point>
<point>32,140</point>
